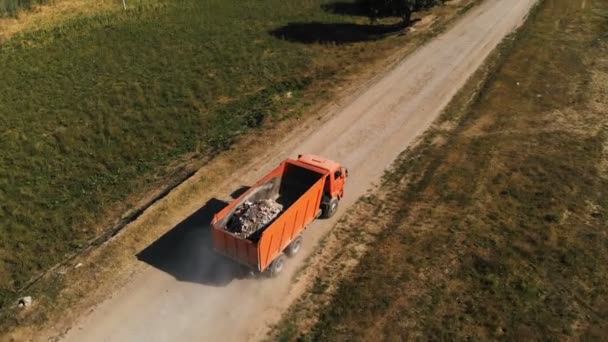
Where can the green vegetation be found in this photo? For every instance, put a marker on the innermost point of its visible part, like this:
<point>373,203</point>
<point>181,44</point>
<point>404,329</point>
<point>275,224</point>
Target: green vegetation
<point>400,8</point>
<point>501,228</point>
<point>12,7</point>
<point>104,107</point>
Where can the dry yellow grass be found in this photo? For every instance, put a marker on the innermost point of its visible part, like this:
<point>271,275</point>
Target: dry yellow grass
<point>46,16</point>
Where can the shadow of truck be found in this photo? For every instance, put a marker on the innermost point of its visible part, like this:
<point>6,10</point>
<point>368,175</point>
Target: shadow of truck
<point>186,251</point>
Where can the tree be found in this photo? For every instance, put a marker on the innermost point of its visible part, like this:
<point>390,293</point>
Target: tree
<point>383,8</point>
<point>398,8</point>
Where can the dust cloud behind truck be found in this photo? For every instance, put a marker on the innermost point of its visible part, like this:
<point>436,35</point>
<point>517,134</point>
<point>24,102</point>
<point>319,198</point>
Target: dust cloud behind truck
<point>306,188</point>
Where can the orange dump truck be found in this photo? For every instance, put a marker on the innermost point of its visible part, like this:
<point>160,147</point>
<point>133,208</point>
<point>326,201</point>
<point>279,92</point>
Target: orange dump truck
<point>307,188</point>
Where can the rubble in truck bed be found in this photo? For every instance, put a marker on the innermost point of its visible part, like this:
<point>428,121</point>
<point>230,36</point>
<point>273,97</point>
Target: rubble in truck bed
<point>252,217</point>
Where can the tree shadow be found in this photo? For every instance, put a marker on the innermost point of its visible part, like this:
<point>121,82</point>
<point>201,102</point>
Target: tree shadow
<point>357,9</point>
<point>186,252</point>
<point>342,33</point>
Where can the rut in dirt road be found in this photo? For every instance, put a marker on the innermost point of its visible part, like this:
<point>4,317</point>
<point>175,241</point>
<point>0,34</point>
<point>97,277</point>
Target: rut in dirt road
<point>179,301</point>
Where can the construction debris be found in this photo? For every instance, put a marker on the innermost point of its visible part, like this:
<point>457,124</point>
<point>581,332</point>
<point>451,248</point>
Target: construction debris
<point>253,216</point>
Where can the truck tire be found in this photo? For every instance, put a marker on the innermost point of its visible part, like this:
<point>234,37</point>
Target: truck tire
<point>277,265</point>
<point>294,247</point>
<point>331,208</point>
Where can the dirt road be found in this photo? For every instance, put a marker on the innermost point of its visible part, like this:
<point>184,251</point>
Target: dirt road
<point>186,293</point>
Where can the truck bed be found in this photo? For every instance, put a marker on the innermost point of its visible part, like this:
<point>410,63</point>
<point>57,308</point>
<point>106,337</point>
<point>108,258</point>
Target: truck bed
<point>285,190</point>
<point>298,188</point>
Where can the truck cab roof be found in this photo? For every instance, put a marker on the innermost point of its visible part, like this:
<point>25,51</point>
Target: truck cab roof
<point>319,162</point>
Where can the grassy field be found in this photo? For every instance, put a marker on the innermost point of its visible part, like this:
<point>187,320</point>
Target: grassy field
<point>13,7</point>
<point>497,226</point>
<point>102,107</point>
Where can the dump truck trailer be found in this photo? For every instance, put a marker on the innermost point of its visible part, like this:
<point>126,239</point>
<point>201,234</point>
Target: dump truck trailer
<point>306,188</point>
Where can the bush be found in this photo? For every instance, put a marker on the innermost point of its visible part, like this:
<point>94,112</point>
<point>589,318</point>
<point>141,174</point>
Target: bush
<point>396,8</point>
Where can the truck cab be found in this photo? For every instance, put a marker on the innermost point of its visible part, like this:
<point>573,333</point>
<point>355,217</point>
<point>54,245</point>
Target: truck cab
<point>334,184</point>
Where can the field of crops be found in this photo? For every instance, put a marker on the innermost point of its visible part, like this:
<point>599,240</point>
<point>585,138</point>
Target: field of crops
<point>98,108</point>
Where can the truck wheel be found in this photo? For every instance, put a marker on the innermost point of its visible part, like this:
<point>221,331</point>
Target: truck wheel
<point>294,247</point>
<point>331,209</point>
<point>277,265</point>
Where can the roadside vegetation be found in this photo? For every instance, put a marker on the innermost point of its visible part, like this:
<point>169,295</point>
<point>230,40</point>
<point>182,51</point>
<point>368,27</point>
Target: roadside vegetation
<point>400,8</point>
<point>495,226</point>
<point>102,107</point>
